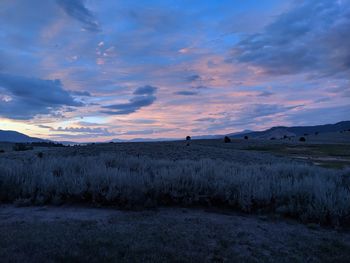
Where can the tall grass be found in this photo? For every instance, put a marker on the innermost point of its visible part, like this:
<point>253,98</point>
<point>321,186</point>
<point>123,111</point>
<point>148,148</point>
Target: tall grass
<point>309,193</point>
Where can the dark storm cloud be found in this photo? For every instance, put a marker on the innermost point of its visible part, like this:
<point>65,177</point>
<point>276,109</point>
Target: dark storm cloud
<point>146,90</point>
<point>77,10</point>
<point>133,105</point>
<point>186,93</point>
<point>144,96</point>
<point>311,37</point>
<point>24,97</point>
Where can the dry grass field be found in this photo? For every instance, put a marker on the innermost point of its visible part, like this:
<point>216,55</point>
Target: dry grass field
<point>248,200</point>
<point>82,234</point>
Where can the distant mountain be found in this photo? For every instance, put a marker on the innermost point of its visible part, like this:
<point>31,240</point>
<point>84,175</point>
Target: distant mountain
<point>280,131</point>
<point>146,140</point>
<point>274,132</point>
<point>116,140</point>
<point>70,143</point>
<point>198,137</point>
<point>206,137</point>
<point>152,140</point>
<point>13,136</point>
<point>239,133</point>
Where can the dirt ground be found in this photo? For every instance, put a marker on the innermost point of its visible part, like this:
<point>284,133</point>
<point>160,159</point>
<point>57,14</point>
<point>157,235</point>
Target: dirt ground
<point>83,234</point>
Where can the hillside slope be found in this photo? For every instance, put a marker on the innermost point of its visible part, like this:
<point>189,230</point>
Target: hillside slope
<point>280,131</point>
<point>13,136</point>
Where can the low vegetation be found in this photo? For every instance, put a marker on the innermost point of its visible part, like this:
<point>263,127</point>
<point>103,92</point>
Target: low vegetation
<point>227,139</point>
<point>305,192</point>
<point>325,155</point>
<point>18,147</point>
<point>302,139</point>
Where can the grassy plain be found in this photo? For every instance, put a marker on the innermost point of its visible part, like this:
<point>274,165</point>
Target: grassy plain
<point>248,200</point>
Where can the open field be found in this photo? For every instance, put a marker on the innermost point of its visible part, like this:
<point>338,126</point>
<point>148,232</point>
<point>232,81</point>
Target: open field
<point>174,131</point>
<point>267,181</point>
<point>71,234</point>
<point>253,176</point>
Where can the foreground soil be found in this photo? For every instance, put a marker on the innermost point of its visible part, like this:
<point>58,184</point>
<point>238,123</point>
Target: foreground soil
<point>82,234</point>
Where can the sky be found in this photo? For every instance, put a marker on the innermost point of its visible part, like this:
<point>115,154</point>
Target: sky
<point>75,70</point>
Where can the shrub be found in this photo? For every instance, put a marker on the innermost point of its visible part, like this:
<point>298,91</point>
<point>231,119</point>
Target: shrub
<point>46,144</point>
<point>188,138</point>
<point>246,137</point>
<point>227,139</point>
<point>21,147</point>
<point>302,139</point>
<point>2,151</point>
<point>309,193</point>
<point>57,172</point>
<point>40,155</point>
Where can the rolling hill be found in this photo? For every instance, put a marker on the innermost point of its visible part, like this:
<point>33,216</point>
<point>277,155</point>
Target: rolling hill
<point>280,131</point>
<point>274,132</point>
<point>13,136</point>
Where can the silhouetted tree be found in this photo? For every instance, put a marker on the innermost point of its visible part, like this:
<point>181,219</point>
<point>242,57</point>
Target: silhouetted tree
<point>246,137</point>
<point>227,139</point>
<point>2,151</point>
<point>302,139</point>
<point>188,138</point>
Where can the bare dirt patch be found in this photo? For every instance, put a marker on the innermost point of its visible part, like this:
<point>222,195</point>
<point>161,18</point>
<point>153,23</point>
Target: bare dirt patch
<point>78,234</point>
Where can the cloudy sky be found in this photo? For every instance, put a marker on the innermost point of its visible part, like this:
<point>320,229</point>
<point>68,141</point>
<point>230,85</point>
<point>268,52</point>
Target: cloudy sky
<point>96,70</point>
